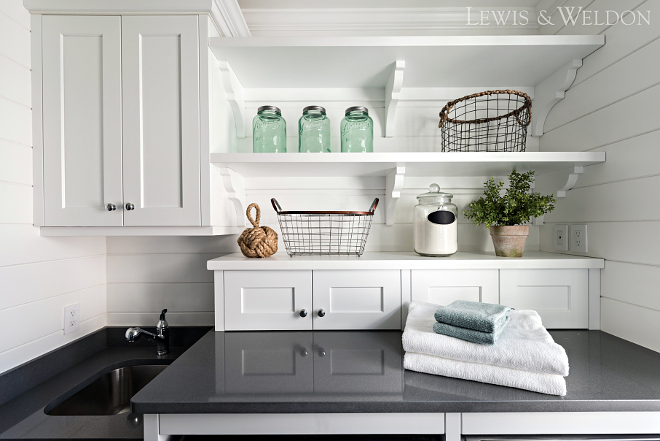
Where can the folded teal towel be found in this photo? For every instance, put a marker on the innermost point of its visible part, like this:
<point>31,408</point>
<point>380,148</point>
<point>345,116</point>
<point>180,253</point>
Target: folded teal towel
<point>478,316</point>
<point>484,338</point>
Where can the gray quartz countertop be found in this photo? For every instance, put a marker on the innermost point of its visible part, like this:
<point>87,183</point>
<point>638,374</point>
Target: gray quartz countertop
<point>355,371</point>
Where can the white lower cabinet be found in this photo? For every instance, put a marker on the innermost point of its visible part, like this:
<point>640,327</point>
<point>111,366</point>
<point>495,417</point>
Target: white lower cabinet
<point>444,286</point>
<point>560,296</point>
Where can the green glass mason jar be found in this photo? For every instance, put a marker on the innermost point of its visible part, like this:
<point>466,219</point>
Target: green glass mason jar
<point>314,131</point>
<point>357,131</point>
<point>268,131</point>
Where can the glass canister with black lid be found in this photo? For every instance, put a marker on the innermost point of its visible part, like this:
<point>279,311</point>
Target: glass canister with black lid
<point>435,223</point>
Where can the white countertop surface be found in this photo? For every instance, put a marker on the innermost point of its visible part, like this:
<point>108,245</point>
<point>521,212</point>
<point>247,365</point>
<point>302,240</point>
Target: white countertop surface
<point>404,260</point>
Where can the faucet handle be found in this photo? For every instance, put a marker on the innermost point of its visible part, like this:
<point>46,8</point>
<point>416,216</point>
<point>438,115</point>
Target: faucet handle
<point>162,323</point>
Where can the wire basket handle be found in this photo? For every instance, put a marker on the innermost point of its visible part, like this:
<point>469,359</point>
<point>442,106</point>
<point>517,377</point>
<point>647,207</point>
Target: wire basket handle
<point>374,204</point>
<point>276,205</point>
<point>255,223</point>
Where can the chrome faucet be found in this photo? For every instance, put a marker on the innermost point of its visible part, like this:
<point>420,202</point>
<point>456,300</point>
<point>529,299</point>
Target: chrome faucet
<point>161,337</point>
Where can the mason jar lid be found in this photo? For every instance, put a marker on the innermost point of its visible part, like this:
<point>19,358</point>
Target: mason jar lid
<point>356,109</point>
<point>273,108</point>
<point>434,195</point>
<point>317,108</point>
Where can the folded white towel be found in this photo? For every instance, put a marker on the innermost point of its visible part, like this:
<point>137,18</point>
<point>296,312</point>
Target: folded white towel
<point>525,344</point>
<point>486,373</point>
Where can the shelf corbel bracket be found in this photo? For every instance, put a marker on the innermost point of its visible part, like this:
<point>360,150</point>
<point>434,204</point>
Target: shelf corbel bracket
<point>572,180</point>
<point>393,186</point>
<point>549,92</point>
<point>234,184</point>
<point>235,97</point>
<point>392,93</point>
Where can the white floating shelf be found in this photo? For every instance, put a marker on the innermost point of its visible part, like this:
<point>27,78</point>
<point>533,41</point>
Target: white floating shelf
<point>425,164</point>
<point>360,62</point>
<point>403,260</point>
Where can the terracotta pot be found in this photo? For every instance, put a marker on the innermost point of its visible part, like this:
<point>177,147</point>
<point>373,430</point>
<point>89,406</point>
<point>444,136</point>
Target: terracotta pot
<point>509,240</point>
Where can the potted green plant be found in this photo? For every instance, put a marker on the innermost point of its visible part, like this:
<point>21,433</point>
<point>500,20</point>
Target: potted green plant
<point>505,214</point>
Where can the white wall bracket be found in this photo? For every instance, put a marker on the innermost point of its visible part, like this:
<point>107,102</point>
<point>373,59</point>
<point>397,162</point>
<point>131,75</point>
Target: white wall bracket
<point>235,96</point>
<point>235,187</point>
<point>549,92</point>
<point>393,186</point>
<point>392,95</point>
<point>570,183</point>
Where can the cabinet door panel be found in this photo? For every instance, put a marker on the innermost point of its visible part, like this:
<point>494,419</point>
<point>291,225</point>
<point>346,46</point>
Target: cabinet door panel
<point>357,299</point>
<point>444,286</point>
<point>161,120</point>
<point>82,120</point>
<point>561,297</point>
<point>267,300</point>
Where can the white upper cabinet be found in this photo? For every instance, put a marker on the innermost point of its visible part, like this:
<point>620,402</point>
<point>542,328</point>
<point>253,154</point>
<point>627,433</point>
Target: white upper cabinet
<point>160,74</point>
<point>121,121</point>
<point>82,120</point>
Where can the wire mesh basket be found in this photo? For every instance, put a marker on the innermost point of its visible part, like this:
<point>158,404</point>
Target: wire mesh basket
<point>492,121</point>
<point>324,232</point>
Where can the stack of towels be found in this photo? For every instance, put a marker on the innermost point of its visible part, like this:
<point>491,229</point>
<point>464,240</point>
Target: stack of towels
<point>513,350</point>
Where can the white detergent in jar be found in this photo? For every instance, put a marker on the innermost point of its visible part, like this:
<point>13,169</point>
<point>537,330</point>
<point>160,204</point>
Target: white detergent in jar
<point>435,224</point>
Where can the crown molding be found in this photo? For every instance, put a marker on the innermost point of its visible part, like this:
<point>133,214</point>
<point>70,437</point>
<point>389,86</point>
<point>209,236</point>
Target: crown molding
<point>229,18</point>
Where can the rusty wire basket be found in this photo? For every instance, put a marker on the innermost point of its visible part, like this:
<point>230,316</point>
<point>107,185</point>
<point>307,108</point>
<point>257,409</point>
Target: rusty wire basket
<point>491,121</point>
<point>324,232</point>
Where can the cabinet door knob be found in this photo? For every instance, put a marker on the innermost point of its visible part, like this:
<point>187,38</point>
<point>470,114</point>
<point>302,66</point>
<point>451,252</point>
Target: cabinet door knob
<point>111,207</point>
<point>130,206</point>
<point>303,352</point>
<point>303,313</point>
<point>321,313</point>
<point>321,352</point>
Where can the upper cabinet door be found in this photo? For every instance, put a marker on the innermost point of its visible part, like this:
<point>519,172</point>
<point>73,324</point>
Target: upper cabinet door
<point>82,120</point>
<point>160,59</point>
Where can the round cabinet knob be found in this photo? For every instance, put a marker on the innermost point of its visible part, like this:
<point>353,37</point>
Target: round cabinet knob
<point>111,207</point>
<point>303,352</point>
<point>130,206</point>
<point>321,313</point>
<point>321,352</point>
<point>303,313</point>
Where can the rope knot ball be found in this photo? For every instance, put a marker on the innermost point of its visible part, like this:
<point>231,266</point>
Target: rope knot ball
<point>257,241</point>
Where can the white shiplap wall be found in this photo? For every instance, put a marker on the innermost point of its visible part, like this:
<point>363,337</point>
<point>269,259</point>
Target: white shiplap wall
<point>38,276</point>
<point>614,107</point>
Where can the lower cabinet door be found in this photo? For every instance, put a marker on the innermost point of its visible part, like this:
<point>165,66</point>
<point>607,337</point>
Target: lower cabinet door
<point>357,299</point>
<point>561,297</point>
<point>444,286</point>
<point>366,363</point>
<point>268,300</point>
<point>275,362</point>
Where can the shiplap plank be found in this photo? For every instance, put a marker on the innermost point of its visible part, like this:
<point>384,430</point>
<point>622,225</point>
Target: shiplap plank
<point>176,244</point>
<point>625,119</point>
<point>15,163</point>
<point>633,242</point>
<point>639,70</point>
<point>610,203</point>
<point>47,316</point>
<point>631,322</point>
<point>159,268</point>
<point>22,244</point>
<point>153,297</point>
<point>14,41</point>
<point>15,122</point>
<point>592,24</point>
<point>47,343</point>
<point>636,284</point>
<point>15,10</point>
<point>149,319</point>
<point>621,41</point>
<point>16,203</point>
<point>38,281</point>
<point>15,82</point>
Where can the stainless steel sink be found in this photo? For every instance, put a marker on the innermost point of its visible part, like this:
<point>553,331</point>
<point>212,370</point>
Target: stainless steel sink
<point>109,394</point>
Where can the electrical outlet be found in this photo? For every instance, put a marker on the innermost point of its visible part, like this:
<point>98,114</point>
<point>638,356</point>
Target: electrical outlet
<point>71,318</point>
<point>578,241</point>
<point>561,238</point>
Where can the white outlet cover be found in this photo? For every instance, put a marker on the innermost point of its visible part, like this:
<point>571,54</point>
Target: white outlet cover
<point>578,242</point>
<point>560,238</point>
<point>71,318</point>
